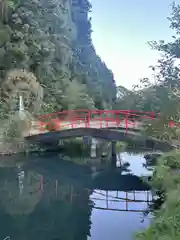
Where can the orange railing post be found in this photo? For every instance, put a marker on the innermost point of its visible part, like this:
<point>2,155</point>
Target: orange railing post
<point>41,125</point>
<point>107,199</point>
<point>106,119</point>
<point>100,119</point>
<point>126,201</point>
<point>41,183</point>
<point>147,196</point>
<point>89,118</point>
<point>56,187</point>
<point>71,194</point>
<point>126,123</point>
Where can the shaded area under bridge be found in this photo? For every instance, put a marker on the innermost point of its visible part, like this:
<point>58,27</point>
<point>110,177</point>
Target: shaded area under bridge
<point>68,172</point>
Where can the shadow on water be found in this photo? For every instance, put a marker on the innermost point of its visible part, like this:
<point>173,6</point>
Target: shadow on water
<point>50,198</point>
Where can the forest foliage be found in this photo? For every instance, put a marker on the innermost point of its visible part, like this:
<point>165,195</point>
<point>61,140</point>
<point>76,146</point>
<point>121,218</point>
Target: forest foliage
<point>161,93</point>
<point>51,39</point>
<point>166,179</point>
<point>162,96</point>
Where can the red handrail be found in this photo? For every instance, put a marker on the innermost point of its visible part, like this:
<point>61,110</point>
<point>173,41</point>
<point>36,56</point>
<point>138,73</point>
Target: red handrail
<point>89,116</point>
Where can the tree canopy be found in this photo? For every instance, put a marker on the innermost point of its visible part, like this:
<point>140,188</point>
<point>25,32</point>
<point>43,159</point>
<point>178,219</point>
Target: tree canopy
<point>161,94</point>
<point>52,40</point>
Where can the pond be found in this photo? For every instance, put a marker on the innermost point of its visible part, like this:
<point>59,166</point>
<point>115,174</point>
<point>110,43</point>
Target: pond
<point>48,198</point>
<point>125,217</point>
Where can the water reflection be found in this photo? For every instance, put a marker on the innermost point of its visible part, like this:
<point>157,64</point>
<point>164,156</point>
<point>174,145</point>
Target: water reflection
<point>121,201</point>
<point>136,163</point>
<point>120,216</point>
<point>48,198</point>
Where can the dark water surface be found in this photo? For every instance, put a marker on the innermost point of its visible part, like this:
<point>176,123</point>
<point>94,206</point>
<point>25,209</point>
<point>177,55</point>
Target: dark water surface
<point>45,198</point>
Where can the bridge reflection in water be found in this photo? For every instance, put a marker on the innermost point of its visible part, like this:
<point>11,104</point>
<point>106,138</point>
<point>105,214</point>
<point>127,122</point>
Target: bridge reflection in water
<point>128,201</point>
<point>115,201</point>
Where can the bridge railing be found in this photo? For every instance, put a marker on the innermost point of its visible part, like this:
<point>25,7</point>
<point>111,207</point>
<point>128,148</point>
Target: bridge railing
<point>92,118</point>
<point>126,119</point>
<point>132,201</point>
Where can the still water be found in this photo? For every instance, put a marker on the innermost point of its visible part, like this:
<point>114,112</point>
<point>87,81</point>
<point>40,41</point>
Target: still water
<point>125,217</point>
<point>46,198</point>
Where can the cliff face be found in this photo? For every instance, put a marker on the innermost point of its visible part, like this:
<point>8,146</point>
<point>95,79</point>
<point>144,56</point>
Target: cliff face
<point>99,79</point>
<point>52,39</point>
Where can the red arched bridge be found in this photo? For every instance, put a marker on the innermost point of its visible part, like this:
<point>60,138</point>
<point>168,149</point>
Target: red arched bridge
<point>95,123</point>
<point>126,119</point>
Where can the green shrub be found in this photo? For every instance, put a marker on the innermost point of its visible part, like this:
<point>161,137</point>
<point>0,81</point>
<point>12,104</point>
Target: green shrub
<point>166,177</point>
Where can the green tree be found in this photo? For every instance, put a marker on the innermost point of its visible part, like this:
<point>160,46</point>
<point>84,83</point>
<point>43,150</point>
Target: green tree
<point>52,40</point>
<point>166,174</point>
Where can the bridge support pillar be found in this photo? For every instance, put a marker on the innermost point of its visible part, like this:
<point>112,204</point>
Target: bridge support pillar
<point>61,142</point>
<point>93,148</point>
<point>114,157</point>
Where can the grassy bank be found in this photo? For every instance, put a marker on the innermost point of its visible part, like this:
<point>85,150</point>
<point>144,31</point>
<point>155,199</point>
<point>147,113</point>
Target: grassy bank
<point>166,178</point>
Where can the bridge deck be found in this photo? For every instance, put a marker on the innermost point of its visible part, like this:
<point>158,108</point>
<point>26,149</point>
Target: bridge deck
<point>107,134</point>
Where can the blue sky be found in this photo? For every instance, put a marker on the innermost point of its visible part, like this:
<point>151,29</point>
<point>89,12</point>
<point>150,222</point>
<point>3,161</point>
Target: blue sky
<point>121,30</point>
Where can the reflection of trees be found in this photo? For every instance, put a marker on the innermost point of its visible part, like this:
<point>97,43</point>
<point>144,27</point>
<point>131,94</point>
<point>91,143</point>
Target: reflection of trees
<point>151,160</point>
<point>60,217</point>
<point>156,203</point>
<point>125,166</point>
<point>114,180</point>
<point>9,161</point>
<point>82,204</point>
<point>64,214</point>
<point>136,150</point>
<point>10,197</point>
<point>7,224</point>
